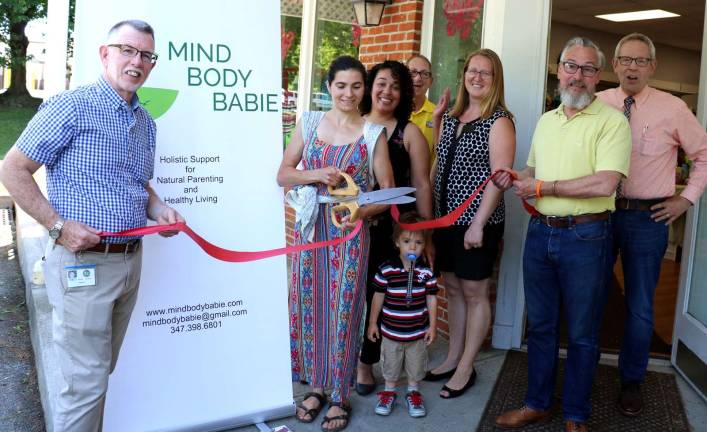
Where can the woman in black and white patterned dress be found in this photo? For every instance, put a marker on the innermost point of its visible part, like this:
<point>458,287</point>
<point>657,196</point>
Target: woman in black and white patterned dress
<point>477,137</point>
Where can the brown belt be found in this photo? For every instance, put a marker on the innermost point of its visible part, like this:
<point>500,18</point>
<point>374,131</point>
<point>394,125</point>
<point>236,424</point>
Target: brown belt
<point>124,248</point>
<point>568,221</point>
<point>637,204</point>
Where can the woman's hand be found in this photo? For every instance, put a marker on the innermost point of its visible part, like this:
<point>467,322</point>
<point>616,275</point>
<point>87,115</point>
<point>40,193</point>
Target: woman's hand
<point>330,176</point>
<point>504,179</point>
<point>473,237</point>
<point>373,334</point>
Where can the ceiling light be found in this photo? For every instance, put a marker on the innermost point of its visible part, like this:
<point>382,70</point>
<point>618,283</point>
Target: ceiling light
<point>638,15</point>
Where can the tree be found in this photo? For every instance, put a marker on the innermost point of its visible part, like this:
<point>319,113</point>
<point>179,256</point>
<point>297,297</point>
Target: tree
<point>14,16</point>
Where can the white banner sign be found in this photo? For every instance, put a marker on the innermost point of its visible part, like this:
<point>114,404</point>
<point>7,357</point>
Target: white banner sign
<point>208,344</point>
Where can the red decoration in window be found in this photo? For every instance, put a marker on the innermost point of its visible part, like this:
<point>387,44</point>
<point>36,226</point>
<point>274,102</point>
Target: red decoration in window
<point>461,16</point>
<point>286,41</point>
<point>355,35</point>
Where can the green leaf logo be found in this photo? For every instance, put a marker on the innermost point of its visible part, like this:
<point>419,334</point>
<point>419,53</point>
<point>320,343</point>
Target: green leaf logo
<point>157,100</point>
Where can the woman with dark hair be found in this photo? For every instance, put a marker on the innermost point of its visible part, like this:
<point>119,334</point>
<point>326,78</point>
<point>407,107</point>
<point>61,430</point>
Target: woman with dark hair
<point>327,284</point>
<point>389,102</point>
<point>477,138</point>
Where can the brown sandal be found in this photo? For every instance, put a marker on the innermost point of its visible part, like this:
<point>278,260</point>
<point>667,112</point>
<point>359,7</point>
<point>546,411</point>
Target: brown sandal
<point>345,417</point>
<point>311,412</point>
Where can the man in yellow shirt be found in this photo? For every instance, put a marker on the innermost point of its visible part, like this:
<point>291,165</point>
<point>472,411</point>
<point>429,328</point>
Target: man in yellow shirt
<point>579,153</point>
<point>422,114</point>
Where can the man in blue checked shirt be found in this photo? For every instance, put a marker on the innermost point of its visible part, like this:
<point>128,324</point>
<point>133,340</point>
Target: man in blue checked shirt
<point>98,146</point>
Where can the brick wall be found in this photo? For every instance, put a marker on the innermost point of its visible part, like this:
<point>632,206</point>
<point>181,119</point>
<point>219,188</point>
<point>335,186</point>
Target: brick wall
<point>398,35</point>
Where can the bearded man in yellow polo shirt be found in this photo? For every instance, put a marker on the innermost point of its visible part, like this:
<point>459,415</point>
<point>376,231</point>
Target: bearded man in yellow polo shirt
<point>579,153</point>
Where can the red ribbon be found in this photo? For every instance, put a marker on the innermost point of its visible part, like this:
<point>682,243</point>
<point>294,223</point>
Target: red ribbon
<point>238,256</point>
<point>231,255</point>
<point>455,214</point>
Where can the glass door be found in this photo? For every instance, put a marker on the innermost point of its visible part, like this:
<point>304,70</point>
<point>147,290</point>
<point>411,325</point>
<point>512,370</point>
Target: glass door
<point>689,355</point>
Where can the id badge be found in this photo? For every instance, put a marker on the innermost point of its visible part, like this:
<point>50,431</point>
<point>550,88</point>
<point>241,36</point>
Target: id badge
<point>80,276</point>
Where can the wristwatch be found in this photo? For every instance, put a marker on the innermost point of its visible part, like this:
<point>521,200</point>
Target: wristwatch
<point>55,230</point>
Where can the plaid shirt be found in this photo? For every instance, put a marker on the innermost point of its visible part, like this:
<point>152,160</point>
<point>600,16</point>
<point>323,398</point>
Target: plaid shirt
<point>99,153</point>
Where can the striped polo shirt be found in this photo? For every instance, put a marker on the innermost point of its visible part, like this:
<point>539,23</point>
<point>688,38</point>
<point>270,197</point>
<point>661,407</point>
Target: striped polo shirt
<point>404,316</point>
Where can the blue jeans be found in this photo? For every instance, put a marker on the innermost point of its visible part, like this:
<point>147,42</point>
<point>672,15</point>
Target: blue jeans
<point>564,269</point>
<point>641,243</point>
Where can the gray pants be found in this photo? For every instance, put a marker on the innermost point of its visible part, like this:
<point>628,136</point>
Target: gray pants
<point>88,327</point>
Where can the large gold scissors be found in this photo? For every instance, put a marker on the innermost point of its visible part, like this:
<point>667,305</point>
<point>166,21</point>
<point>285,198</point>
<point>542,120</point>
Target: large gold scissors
<point>349,198</point>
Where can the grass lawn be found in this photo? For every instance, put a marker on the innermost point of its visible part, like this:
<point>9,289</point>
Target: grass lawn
<point>12,123</point>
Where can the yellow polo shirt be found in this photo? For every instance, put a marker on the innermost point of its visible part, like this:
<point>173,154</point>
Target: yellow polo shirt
<point>598,138</point>
<point>423,120</point>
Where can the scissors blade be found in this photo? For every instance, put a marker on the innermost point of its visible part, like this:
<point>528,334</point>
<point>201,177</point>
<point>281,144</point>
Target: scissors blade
<point>398,200</point>
<point>384,195</point>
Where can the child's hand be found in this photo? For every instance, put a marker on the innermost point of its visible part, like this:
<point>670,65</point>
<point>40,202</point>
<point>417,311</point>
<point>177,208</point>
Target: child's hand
<point>373,334</point>
<point>430,335</point>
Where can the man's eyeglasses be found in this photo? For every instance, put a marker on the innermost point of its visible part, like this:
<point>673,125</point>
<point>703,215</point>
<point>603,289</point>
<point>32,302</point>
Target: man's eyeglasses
<point>421,73</point>
<point>640,61</point>
<point>130,51</point>
<point>587,71</point>
<point>484,75</point>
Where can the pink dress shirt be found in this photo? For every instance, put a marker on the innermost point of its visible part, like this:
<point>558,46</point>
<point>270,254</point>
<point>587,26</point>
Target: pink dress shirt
<point>660,122</point>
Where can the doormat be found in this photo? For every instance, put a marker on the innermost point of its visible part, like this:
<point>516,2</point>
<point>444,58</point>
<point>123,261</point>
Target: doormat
<point>663,410</point>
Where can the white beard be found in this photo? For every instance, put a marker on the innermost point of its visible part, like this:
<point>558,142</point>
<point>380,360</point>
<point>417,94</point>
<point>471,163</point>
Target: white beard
<point>575,101</point>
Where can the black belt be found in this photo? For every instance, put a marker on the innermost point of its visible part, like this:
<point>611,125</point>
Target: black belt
<point>637,204</point>
<point>124,248</point>
<point>568,221</point>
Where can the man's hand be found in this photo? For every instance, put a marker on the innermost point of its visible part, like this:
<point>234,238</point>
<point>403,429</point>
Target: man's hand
<point>373,334</point>
<point>442,105</point>
<point>430,334</point>
<point>76,236</point>
<point>168,216</point>
<point>524,188</point>
<point>670,209</point>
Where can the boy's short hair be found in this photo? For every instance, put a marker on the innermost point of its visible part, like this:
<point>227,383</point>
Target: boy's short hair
<point>410,218</point>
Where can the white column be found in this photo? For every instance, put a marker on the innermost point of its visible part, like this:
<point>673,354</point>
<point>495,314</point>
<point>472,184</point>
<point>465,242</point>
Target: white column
<point>57,34</point>
<point>518,31</point>
<point>306,56</point>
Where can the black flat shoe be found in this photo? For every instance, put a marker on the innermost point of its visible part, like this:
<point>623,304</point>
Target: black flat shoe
<point>430,376</point>
<point>364,389</point>
<point>456,393</point>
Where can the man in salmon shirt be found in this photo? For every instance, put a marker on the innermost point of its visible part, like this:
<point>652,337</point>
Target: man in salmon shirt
<point>646,202</point>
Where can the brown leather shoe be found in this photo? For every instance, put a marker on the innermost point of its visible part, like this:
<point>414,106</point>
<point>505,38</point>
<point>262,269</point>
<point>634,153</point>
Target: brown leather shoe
<point>630,401</point>
<point>573,426</point>
<point>523,416</point>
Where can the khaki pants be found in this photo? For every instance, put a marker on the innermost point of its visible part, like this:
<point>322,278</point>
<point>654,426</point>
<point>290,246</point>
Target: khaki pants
<point>88,327</point>
<point>395,354</point>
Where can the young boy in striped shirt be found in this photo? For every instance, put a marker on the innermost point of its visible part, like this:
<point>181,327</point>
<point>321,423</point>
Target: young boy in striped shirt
<point>406,295</point>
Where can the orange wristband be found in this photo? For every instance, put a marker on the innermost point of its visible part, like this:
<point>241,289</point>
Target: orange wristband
<point>538,186</point>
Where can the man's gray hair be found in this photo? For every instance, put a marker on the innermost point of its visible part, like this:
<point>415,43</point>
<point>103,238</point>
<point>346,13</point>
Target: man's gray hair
<point>637,37</point>
<point>584,42</point>
<point>138,25</point>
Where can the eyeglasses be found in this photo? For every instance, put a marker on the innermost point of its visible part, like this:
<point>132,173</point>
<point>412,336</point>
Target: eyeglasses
<point>130,51</point>
<point>587,71</point>
<point>421,73</point>
<point>640,61</point>
<point>484,75</point>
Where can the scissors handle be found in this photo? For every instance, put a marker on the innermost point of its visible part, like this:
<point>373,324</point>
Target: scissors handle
<point>350,190</point>
<point>341,209</point>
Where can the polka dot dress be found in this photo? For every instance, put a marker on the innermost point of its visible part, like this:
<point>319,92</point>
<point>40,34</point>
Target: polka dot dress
<point>469,168</point>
